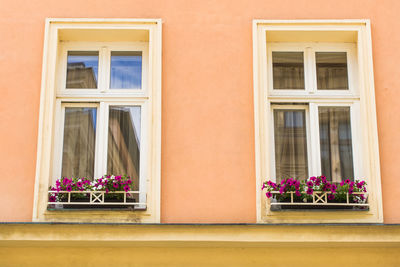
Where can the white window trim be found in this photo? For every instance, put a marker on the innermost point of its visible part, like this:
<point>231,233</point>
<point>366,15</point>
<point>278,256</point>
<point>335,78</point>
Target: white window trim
<point>364,101</point>
<point>52,91</point>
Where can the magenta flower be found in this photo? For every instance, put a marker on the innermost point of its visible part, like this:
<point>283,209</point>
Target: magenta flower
<point>351,191</point>
<point>58,182</point>
<point>362,197</point>
<point>342,183</point>
<point>283,182</point>
<point>323,179</point>
<point>66,181</point>
<point>347,181</point>
<point>68,188</point>
<point>107,190</point>
<point>52,199</point>
<point>310,191</point>
<point>126,188</point>
<point>331,197</point>
<point>359,185</point>
<point>309,184</point>
<point>79,184</point>
<point>282,190</point>
<point>263,187</point>
<point>115,185</point>
<point>298,193</point>
<point>313,178</point>
<point>268,194</point>
<point>118,178</point>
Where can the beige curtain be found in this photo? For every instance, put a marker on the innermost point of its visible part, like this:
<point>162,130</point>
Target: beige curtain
<point>331,70</point>
<point>336,143</point>
<point>290,144</point>
<point>123,157</point>
<point>288,70</point>
<point>79,142</point>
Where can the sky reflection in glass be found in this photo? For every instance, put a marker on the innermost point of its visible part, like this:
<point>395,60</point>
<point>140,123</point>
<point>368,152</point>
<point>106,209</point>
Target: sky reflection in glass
<point>126,70</point>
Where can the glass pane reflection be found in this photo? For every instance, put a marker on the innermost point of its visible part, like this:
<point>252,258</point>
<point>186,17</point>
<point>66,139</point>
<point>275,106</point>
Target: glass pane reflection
<point>79,142</point>
<point>82,69</point>
<point>126,70</point>
<point>123,157</point>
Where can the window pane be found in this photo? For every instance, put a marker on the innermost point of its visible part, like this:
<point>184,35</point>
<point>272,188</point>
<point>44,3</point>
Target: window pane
<point>126,70</point>
<point>82,68</point>
<point>79,142</point>
<point>332,70</point>
<point>336,143</point>
<point>288,70</point>
<point>123,155</point>
<point>290,144</point>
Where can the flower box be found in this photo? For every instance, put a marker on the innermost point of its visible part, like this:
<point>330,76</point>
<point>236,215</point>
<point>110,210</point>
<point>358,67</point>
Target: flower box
<point>107,192</point>
<point>316,193</point>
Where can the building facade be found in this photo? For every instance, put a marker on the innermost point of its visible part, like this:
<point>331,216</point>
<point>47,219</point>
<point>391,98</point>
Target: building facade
<point>143,133</point>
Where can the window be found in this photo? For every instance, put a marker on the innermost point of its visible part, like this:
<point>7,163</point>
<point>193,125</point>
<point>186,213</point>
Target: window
<point>100,112</point>
<point>321,77</point>
<point>314,110</point>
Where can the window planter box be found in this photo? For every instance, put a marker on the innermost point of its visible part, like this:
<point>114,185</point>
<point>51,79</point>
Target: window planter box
<point>317,201</point>
<point>73,200</point>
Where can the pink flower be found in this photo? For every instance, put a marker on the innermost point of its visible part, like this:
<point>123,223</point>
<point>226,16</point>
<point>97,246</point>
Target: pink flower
<point>342,183</point>
<point>126,188</point>
<point>52,199</point>
<point>263,187</point>
<point>309,184</point>
<point>313,178</point>
<point>79,184</point>
<point>310,191</point>
<point>118,178</point>
<point>115,185</point>
<point>68,188</point>
<point>347,181</point>
<point>107,190</point>
<point>268,194</point>
<point>66,181</point>
<point>282,190</point>
<point>331,197</point>
<point>298,193</point>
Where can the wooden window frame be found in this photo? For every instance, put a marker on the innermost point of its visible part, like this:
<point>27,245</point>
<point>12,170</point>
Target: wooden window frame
<point>352,36</point>
<point>55,96</point>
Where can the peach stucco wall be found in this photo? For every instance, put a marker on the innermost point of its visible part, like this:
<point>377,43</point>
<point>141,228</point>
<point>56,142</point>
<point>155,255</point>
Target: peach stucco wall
<point>208,168</point>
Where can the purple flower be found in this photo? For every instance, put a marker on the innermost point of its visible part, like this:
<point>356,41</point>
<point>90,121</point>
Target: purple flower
<point>107,190</point>
<point>126,188</point>
<point>328,186</point>
<point>359,185</point>
<point>351,191</point>
<point>115,185</point>
<point>66,181</point>
<point>68,188</point>
<point>310,191</point>
<point>347,181</point>
<point>283,182</point>
<point>331,197</point>
<point>342,183</point>
<point>313,178</point>
<point>79,184</point>
<point>309,184</point>
<point>323,179</point>
<point>268,194</point>
<point>52,199</point>
<point>298,193</point>
<point>58,183</point>
<point>118,178</point>
<point>362,197</point>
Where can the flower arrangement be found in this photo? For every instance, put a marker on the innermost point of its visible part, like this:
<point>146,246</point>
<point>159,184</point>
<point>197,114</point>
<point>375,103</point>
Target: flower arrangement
<point>303,190</point>
<point>108,183</point>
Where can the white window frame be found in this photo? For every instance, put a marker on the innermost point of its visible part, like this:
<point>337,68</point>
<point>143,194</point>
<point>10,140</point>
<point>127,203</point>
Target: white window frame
<point>310,36</point>
<point>55,97</point>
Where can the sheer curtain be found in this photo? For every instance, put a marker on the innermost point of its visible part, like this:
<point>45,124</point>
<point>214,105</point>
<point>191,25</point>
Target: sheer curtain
<point>336,143</point>
<point>123,157</point>
<point>288,70</point>
<point>290,144</point>
<point>331,70</point>
<point>79,142</point>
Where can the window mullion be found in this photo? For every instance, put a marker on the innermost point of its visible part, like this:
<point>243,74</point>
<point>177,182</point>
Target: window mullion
<point>101,141</point>
<point>310,71</point>
<point>103,69</point>
<point>314,155</point>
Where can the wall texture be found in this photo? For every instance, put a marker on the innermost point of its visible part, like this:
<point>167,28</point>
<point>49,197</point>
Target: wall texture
<point>208,168</point>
